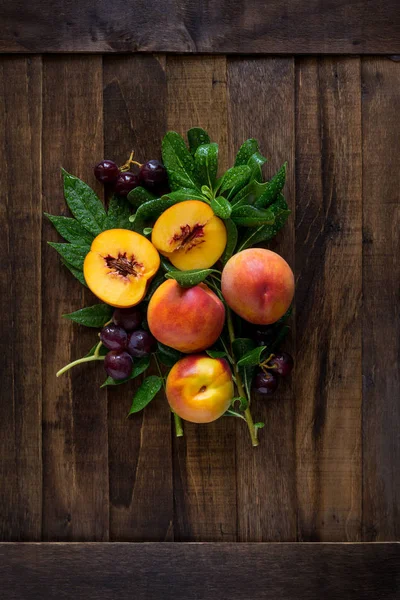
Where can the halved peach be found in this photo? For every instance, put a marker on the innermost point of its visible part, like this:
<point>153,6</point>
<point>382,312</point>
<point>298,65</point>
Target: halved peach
<point>119,266</point>
<point>190,235</point>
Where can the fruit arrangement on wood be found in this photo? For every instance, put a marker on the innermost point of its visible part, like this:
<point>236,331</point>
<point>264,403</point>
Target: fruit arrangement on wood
<point>174,262</point>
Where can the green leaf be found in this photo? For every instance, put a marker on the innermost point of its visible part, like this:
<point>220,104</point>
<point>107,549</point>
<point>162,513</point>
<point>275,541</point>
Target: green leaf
<point>140,365</point>
<point>249,194</point>
<point>92,316</point>
<point>184,194</point>
<point>78,273</point>
<point>139,196</point>
<point>232,237</point>
<point>118,214</point>
<point>216,353</point>
<point>232,413</point>
<point>206,163</point>
<point>190,278</point>
<point>252,358</point>
<point>247,375</point>
<point>249,216</point>
<point>179,162</point>
<point>168,356</point>
<point>273,188</point>
<point>147,231</point>
<point>255,163</point>
<point>279,338</point>
<point>145,394</point>
<point>84,204</point>
<point>197,137</point>
<point>267,232</point>
<point>154,284</point>
<point>241,346</point>
<point>259,425</point>
<point>71,230</point>
<point>247,149</point>
<point>151,211</point>
<point>205,190</point>
<point>221,207</point>
<point>243,402</point>
<point>234,179</point>
<point>166,265</point>
<point>71,253</point>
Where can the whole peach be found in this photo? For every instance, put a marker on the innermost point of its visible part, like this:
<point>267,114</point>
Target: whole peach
<point>258,285</point>
<point>187,319</point>
<point>199,388</point>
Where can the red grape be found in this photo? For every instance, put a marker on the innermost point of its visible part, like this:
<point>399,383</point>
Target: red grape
<point>118,365</point>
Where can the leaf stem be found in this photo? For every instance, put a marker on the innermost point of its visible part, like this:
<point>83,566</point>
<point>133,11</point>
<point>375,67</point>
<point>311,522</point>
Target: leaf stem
<point>239,384</point>
<point>78,362</point>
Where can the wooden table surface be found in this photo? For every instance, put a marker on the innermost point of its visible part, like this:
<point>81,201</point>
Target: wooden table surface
<point>72,467</point>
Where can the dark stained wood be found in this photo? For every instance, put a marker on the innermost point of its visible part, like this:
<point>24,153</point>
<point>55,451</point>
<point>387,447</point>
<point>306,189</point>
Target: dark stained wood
<point>206,571</point>
<point>226,26</point>
<point>204,460</point>
<point>21,380</point>
<point>261,105</point>
<point>381,284</point>
<point>328,299</point>
<point>140,455</point>
<point>75,455</point>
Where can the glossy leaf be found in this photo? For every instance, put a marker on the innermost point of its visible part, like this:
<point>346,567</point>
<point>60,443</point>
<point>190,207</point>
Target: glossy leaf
<point>216,353</point>
<point>267,232</point>
<point>206,163</point>
<point>221,207</point>
<point>77,273</point>
<point>71,230</point>
<point>84,204</point>
<point>71,253</point>
<point>249,216</point>
<point>151,211</point>
<point>139,196</point>
<point>247,149</point>
<point>255,163</point>
<point>118,214</point>
<point>197,137</point>
<point>235,178</point>
<point>92,316</point>
<point>252,358</point>
<point>241,401</point>
<point>191,278</point>
<point>168,356</point>
<point>184,194</point>
<point>179,162</point>
<point>274,187</point>
<point>241,346</point>
<point>145,394</point>
<point>166,265</point>
<point>232,237</point>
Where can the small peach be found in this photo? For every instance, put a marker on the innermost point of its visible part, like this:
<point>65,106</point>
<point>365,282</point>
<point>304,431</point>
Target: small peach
<point>187,319</point>
<point>199,388</point>
<point>258,285</point>
<point>190,235</point>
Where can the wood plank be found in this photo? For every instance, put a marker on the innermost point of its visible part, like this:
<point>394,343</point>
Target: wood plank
<point>140,455</point>
<point>261,105</point>
<point>207,571</point>
<point>20,218</point>
<point>381,284</point>
<point>75,455</point>
<point>315,26</point>
<point>328,298</point>
<point>204,460</point>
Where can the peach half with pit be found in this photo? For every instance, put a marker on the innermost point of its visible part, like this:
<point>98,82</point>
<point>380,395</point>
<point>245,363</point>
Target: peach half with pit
<point>119,266</point>
<point>186,319</point>
<point>199,388</point>
<point>190,235</point>
<point>258,285</point>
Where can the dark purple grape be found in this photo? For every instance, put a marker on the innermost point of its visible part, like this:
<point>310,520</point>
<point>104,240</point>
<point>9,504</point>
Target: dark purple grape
<point>265,384</point>
<point>126,182</point>
<point>281,363</point>
<point>140,343</point>
<point>106,171</point>
<point>114,337</point>
<point>118,365</point>
<point>153,176</point>
<point>128,318</point>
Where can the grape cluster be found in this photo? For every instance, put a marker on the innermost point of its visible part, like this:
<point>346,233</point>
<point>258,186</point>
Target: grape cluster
<point>152,176</point>
<point>126,340</point>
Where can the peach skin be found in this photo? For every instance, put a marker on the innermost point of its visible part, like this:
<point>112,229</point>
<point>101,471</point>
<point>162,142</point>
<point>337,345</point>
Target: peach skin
<point>258,285</point>
<point>199,388</point>
<point>190,235</point>
<point>119,266</point>
<point>187,319</point>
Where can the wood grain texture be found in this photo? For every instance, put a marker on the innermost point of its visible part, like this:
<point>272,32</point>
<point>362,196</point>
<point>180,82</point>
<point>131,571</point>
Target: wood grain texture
<point>21,381</point>
<point>328,299</point>
<point>140,455</point>
<point>381,286</point>
<point>226,26</point>
<point>204,459</point>
<point>75,455</point>
<point>261,105</point>
<point>206,571</point>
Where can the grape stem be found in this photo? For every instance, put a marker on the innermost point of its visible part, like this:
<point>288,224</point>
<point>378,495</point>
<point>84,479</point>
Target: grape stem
<point>127,165</point>
<point>85,359</point>
<point>239,384</point>
<point>177,419</point>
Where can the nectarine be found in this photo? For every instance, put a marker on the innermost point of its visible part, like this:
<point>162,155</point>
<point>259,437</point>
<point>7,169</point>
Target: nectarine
<point>190,235</point>
<point>258,285</point>
<point>119,266</point>
<point>187,319</point>
<point>199,388</point>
